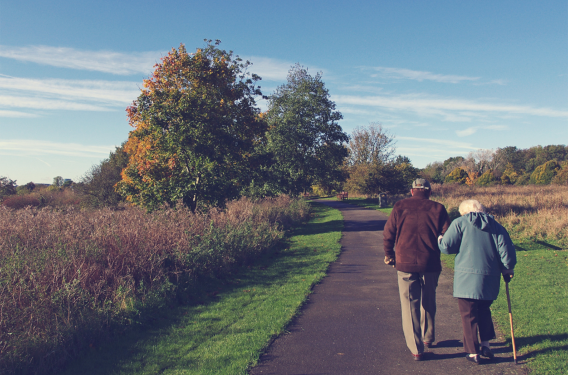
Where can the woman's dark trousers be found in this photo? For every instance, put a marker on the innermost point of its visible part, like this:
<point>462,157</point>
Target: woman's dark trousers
<point>476,316</point>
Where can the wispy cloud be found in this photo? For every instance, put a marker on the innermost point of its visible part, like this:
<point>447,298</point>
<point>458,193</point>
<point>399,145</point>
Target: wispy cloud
<point>47,104</point>
<point>449,107</point>
<point>30,147</point>
<point>101,61</point>
<point>16,114</point>
<point>474,129</point>
<point>448,143</point>
<point>119,92</point>
<point>269,69</point>
<point>417,75</point>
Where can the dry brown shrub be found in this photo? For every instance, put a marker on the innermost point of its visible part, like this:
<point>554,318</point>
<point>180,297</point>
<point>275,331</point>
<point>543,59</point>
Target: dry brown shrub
<point>538,212</point>
<point>68,275</point>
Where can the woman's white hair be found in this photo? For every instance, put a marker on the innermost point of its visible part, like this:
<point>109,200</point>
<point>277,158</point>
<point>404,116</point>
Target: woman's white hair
<point>470,205</point>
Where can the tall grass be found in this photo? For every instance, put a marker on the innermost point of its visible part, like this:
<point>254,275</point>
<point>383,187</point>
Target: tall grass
<point>535,212</point>
<point>69,277</point>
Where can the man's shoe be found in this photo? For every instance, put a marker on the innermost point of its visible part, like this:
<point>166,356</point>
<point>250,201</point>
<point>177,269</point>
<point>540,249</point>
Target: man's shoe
<point>417,357</point>
<point>428,344</point>
<point>475,359</point>
<point>486,352</point>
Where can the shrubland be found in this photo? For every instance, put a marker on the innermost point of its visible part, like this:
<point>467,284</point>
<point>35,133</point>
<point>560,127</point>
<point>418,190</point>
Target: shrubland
<point>535,212</point>
<point>70,278</point>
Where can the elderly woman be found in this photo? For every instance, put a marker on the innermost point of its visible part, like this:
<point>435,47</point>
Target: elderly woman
<point>484,252</point>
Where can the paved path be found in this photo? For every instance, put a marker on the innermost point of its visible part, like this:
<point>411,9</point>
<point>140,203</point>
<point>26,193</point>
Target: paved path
<point>351,323</point>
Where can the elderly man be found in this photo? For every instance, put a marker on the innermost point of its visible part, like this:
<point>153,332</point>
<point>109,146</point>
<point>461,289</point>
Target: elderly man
<point>411,246</point>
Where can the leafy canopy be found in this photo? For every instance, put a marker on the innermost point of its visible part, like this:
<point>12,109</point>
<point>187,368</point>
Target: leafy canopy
<point>304,139</point>
<point>195,127</point>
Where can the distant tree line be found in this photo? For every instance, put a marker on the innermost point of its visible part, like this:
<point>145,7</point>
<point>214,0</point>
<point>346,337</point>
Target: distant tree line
<point>508,166</point>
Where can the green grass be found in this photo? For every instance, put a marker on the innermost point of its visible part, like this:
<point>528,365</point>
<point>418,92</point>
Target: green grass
<point>539,304</point>
<point>369,203</point>
<point>234,319</point>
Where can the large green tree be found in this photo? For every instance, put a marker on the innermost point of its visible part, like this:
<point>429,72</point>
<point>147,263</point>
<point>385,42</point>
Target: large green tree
<point>305,143</point>
<point>196,127</point>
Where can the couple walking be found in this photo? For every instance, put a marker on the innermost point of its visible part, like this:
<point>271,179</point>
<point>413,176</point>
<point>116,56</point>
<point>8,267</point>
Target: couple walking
<point>415,233</point>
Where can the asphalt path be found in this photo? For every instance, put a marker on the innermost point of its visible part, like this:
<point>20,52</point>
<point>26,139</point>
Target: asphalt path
<point>352,324</point>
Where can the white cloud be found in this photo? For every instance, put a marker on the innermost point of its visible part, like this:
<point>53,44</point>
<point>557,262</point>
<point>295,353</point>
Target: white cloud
<point>117,92</point>
<point>47,104</point>
<point>447,143</point>
<point>421,76</point>
<point>474,129</point>
<point>16,114</point>
<point>466,132</point>
<point>442,106</point>
<point>101,61</point>
<point>38,147</point>
<point>269,69</point>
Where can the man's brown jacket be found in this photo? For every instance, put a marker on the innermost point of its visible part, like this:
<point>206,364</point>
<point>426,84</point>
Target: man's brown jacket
<point>411,233</point>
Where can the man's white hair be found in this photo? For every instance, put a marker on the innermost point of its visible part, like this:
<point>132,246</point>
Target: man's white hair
<point>470,205</point>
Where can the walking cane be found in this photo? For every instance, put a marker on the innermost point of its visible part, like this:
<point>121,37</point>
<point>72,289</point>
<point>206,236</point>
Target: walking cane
<point>511,319</point>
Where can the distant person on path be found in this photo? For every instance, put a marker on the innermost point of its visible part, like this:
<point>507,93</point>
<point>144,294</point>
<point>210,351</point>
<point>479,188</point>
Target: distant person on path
<point>411,246</point>
<point>484,252</point>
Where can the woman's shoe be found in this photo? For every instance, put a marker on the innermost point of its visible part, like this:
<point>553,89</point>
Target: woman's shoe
<point>486,352</point>
<point>475,359</point>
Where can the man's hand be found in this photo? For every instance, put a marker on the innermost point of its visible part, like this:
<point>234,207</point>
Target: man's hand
<point>440,238</point>
<point>389,261</point>
<point>507,275</point>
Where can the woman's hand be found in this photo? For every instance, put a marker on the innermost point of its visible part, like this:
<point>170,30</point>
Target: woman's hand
<point>507,275</point>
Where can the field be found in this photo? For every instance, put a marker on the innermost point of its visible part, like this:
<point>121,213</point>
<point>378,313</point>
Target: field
<point>237,316</point>
<point>71,278</point>
<point>536,217</point>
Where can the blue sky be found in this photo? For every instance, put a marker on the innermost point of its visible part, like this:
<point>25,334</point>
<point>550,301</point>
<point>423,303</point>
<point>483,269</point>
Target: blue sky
<point>445,78</point>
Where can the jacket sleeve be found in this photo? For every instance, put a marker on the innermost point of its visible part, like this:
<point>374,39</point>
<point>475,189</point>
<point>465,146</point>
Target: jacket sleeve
<point>389,234</point>
<point>451,242</point>
<point>506,249</point>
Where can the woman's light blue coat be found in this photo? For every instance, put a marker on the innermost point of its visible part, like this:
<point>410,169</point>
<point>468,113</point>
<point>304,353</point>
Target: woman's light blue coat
<point>483,249</point>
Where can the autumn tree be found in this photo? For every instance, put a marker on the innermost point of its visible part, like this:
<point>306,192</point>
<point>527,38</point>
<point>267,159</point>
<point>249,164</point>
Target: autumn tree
<point>458,176</point>
<point>305,143</point>
<point>195,129</point>
<point>543,174</point>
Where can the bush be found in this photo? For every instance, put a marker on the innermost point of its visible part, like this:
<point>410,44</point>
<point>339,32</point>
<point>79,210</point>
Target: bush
<point>20,201</point>
<point>524,179</point>
<point>71,278</point>
<point>487,178</point>
<point>561,177</point>
<point>458,176</point>
<point>544,173</point>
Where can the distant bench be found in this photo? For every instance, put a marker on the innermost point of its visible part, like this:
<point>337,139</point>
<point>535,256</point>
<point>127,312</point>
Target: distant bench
<point>343,195</point>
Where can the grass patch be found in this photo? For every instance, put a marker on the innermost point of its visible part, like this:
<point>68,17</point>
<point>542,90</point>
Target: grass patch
<point>235,319</point>
<point>539,303</point>
<point>369,203</point>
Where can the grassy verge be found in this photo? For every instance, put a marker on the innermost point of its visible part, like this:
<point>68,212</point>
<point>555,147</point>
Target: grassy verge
<point>236,318</point>
<point>369,203</point>
<point>539,303</point>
